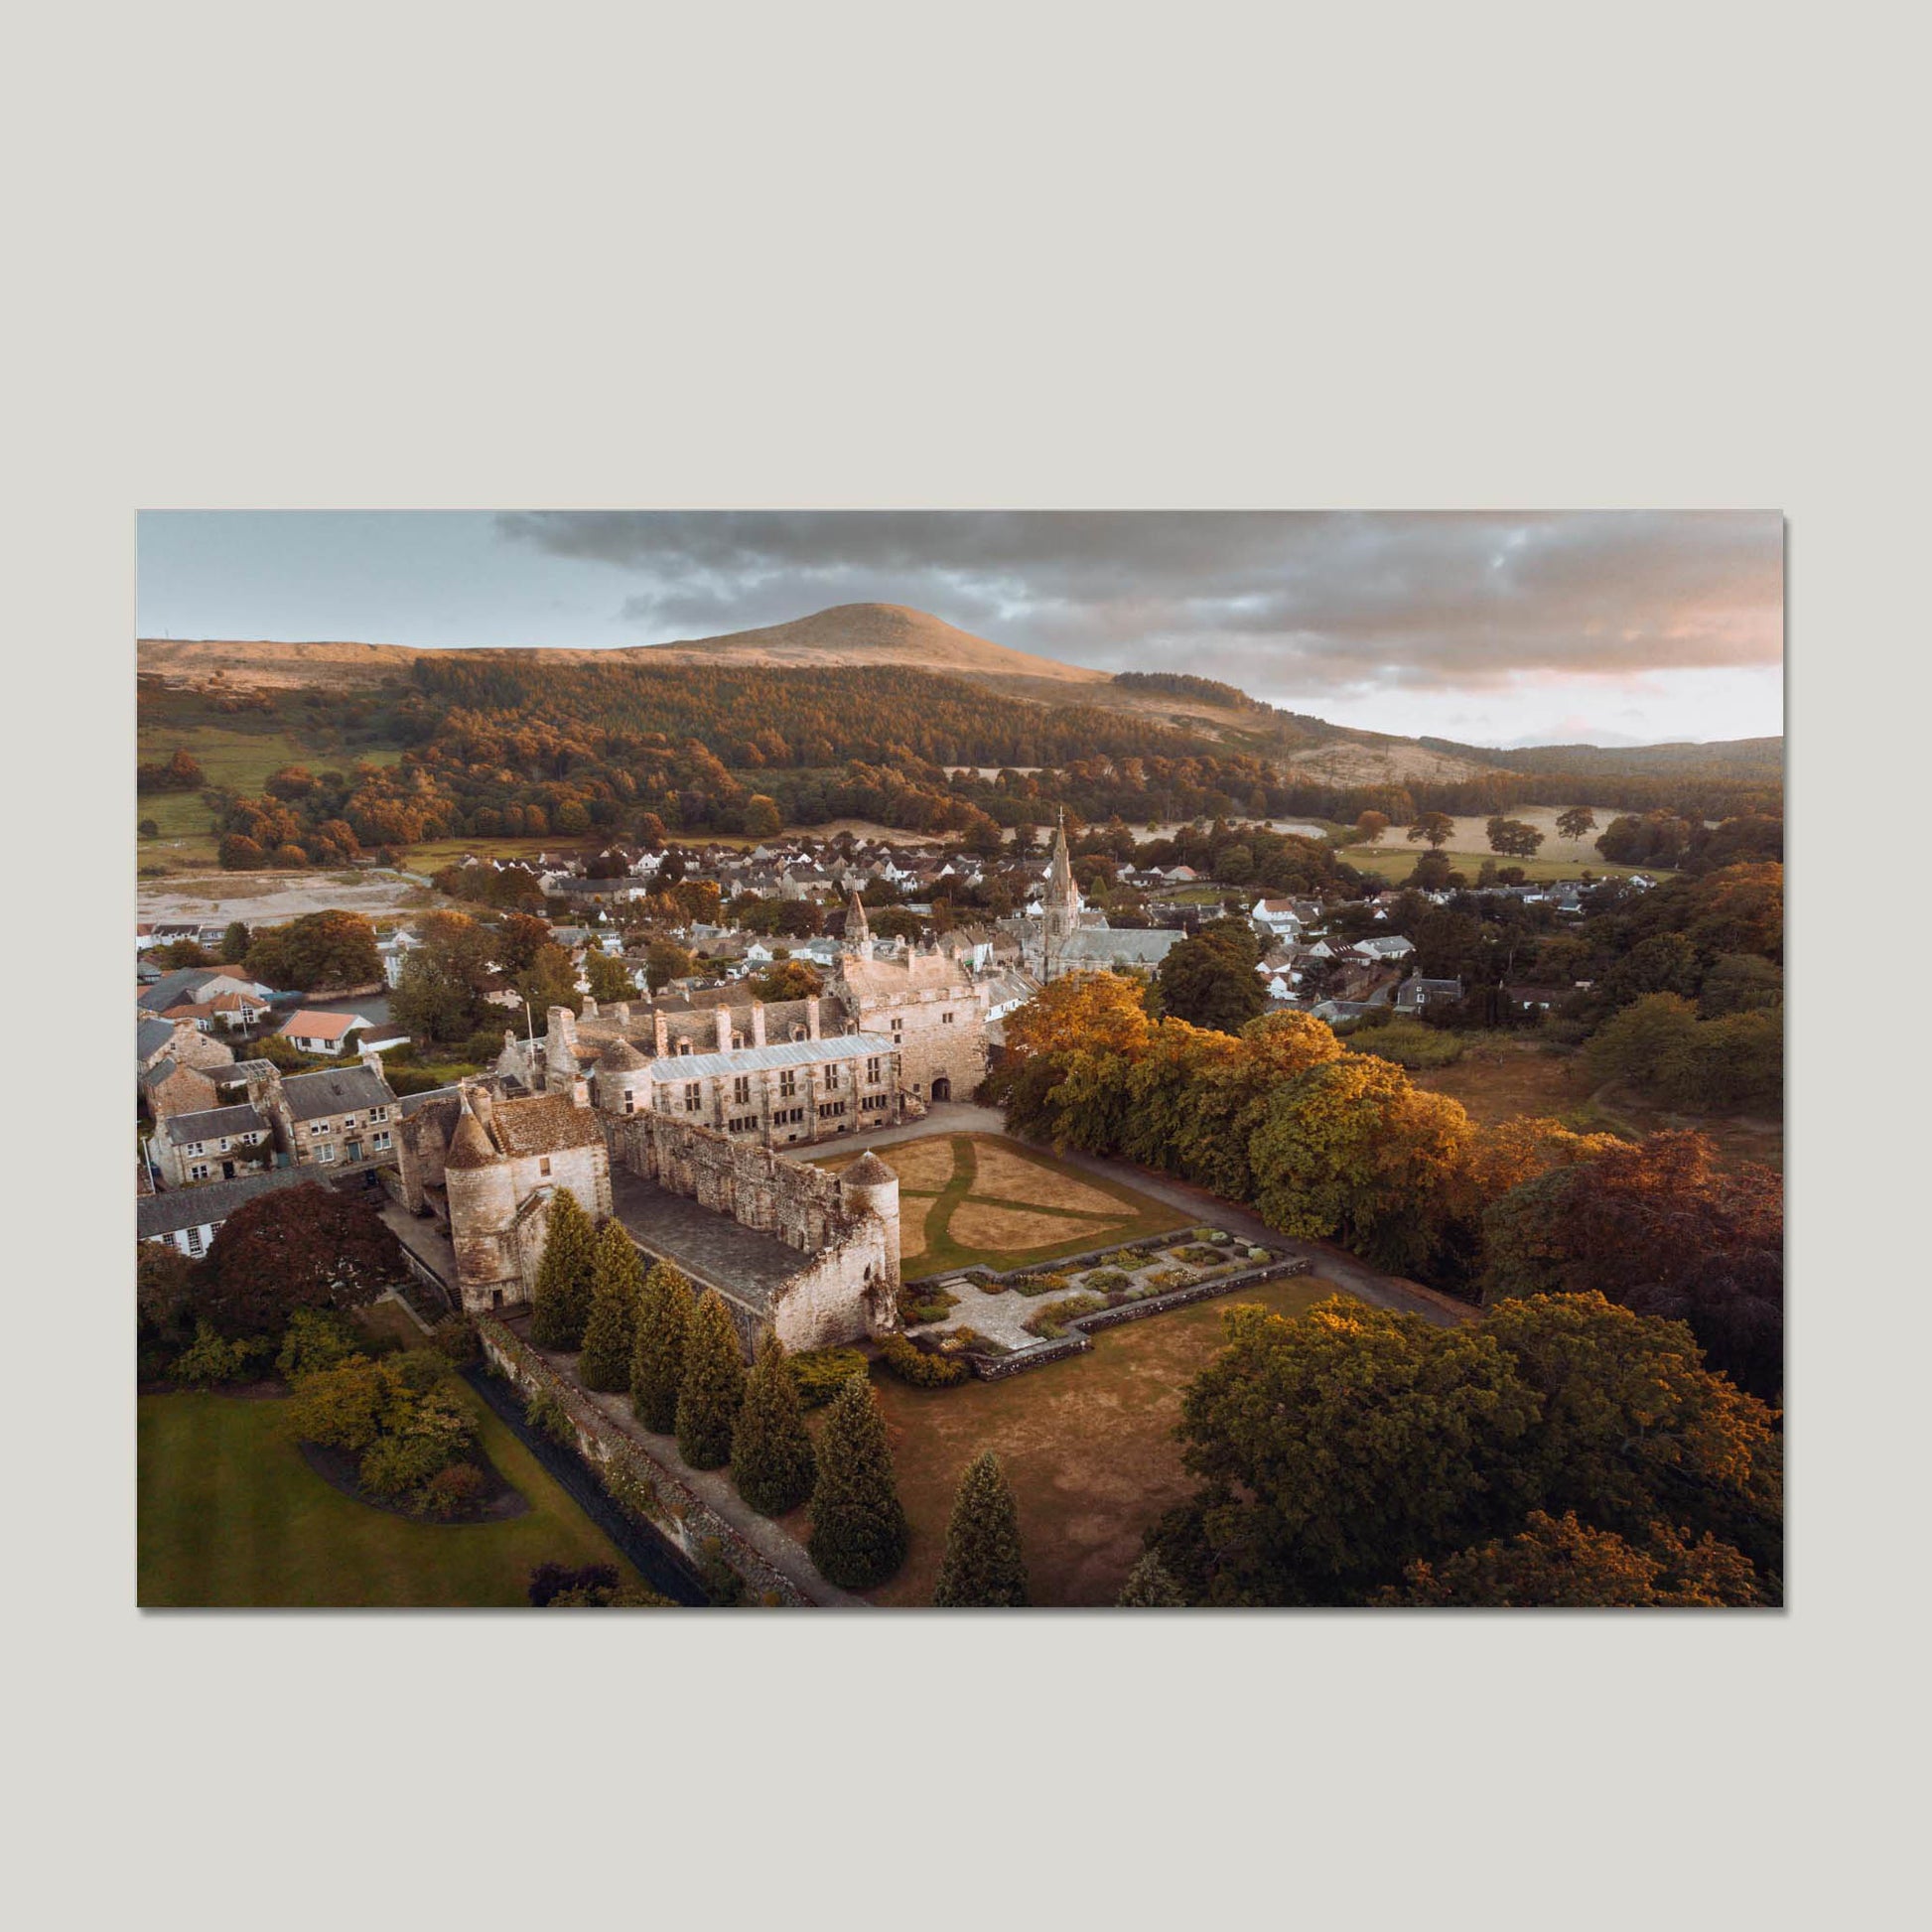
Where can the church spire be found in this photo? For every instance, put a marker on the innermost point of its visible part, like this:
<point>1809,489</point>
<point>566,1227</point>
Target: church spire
<point>1060,913</point>
<point>858,935</point>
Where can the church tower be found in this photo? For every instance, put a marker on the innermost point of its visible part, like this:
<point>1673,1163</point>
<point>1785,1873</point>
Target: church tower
<point>1062,912</point>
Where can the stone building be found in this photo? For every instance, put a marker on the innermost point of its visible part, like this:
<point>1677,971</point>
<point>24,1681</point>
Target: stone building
<point>811,1255</point>
<point>216,1144</point>
<point>339,1117</point>
<point>1065,937</point>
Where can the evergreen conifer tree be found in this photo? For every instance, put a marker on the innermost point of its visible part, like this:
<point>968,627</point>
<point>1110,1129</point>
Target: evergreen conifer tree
<point>611,1333</point>
<point>1151,1587</point>
<point>657,1361</point>
<point>983,1566</point>
<point>859,1530</point>
<point>772,1462</point>
<point>562,1304</point>
<point>713,1390</point>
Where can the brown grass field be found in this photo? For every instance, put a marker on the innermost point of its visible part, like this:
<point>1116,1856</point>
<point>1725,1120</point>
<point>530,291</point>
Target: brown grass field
<point>1087,1445</point>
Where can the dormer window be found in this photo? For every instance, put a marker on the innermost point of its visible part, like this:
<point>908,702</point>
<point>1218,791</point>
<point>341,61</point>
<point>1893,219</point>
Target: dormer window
<point>683,1048</point>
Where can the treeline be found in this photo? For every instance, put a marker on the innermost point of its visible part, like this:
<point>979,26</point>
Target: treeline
<point>1331,1145</point>
<point>1183,684</point>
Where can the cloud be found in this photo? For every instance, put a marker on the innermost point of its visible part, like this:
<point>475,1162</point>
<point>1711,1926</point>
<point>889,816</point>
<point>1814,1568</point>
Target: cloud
<point>1290,605</point>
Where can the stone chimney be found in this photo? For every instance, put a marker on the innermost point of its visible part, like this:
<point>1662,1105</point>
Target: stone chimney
<point>622,1012</point>
<point>724,1018</point>
<point>758,1023</point>
<point>663,1031</point>
<point>812,1017</point>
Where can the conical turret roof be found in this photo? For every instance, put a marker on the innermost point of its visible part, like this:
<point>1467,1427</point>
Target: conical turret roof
<point>621,1058</point>
<point>469,1146</point>
<point>869,1171</point>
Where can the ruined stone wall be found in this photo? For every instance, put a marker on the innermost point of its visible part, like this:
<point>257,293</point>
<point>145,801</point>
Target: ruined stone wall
<point>844,1296</point>
<point>801,1205</point>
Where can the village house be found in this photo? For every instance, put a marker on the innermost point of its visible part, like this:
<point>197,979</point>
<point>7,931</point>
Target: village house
<point>217,1144</point>
<point>335,1117</point>
<point>188,1219</point>
<point>1416,996</point>
<point>1277,916</point>
<point>310,1032</point>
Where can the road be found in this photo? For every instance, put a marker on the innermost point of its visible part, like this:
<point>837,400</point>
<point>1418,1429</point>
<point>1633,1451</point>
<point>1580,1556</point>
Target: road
<point>1331,1263</point>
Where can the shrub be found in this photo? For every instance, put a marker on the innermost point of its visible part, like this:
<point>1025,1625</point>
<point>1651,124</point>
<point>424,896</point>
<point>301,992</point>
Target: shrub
<point>1107,1281</point>
<point>923,1302</point>
<point>210,1359</point>
<point>456,1335</point>
<point>550,1581</point>
<point>316,1339</point>
<point>455,1490</point>
<point>908,1362</point>
<point>546,1415</point>
<point>1044,1285</point>
<point>1412,1044</point>
<point>821,1373</point>
<point>1164,1279</point>
<point>396,1465</point>
<point>1257,1254</point>
<point>1200,1257</point>
<point>1050,1322</point>
<point>970,1342</point>
<point>724,1588</point>
<point>637,1495</point>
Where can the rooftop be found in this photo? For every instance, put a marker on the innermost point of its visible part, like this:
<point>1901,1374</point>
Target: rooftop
<point>786,1052</point>
<point>336,1090</point>
<point>708,1246</point>
<point>192,1207</point>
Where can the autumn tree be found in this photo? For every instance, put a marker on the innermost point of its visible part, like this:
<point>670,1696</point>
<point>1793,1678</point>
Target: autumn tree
<point>565,1275</point>
<point>1337,1449</point>
<point>773,1466</point>
<point>1561,1563</point>
<point>657,1359</point>
<point>609,1332</point>
<point>1575,823</point>
<point>1370,827</point>
<point>763,818</point>
<point>860,1535</point>
<point>983,1566</point>
<point>664,961</point>
<point>1515,838</point>
<point>788,979</point>
<point>1436,827</point>
<point>319,950</point>
<point>712,1390</point>
<point>1069,1048</point>
<point>301,1246</point>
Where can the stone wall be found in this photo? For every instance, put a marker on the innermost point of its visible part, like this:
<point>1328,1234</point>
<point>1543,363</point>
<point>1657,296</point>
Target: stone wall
<point>675,1511</point>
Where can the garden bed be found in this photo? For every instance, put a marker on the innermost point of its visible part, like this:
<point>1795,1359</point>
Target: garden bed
<point>499,1503</point>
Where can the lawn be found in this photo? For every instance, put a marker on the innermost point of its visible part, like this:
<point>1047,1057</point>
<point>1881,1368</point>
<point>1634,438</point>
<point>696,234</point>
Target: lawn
<point>1087,1443</point>
<point>231,1515</point>
<point>980,1198</point>
<point>1397,859</point>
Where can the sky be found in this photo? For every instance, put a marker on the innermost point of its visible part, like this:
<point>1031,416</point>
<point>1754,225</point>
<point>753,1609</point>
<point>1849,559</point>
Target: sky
<point>1502,629</point>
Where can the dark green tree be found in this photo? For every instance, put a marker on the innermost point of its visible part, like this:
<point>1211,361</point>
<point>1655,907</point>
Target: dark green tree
<point>657,1361</point>
<point>1211,980</point>
<point>1149,1586</point>
<point>983,1566</point>
<point>772,1460</point>
<point>563,1299</point>
<point>234,943</point>
<point>859,1530</point>
<point>713,1390</point>
<point>611,1332</point>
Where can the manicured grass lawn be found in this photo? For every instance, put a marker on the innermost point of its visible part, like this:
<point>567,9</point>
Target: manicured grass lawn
<point>981,1199</point>
<point>1087,1445</point>
<point>231,1515</point>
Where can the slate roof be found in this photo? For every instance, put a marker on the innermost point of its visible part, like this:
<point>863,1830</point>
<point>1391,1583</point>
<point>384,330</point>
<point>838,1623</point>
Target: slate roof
<point>150,1036</point>
<point>1112,945</point>
<point>336,1090</point>
<point>212,1123</point>
<point>756,1060</point>
<point>192,1208</point>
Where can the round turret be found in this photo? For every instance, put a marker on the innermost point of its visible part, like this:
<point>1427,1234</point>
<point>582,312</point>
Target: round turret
<point>482,1212</point>
<point>617,1082</point>
<point>872,1188</point>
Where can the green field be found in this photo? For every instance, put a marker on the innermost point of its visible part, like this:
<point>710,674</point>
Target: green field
<point>1396,861</point>
<point>231,1515</point>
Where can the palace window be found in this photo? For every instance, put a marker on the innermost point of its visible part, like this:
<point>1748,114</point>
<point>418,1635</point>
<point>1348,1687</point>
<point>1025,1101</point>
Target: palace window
<point>832,1077</point>
<point>683,1048</point>
<point>945,1019</point>
<point>742,1089</point>
<point>873,1073</point>
<point>898,1026</point>
<point>787,1082</point>
<point>693,1097</point>
<point>543,1166</point>
<point>629,1101</point>
<point>831,1109</point>
<point>737,1043</point>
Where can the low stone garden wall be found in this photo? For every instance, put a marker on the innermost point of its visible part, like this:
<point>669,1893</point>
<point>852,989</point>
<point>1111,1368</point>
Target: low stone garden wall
<point>996,1368</point>
<point>636,1478</point>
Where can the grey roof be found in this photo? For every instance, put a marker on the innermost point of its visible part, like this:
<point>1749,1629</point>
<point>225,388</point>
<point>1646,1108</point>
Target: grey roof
<point>411,1103</point>
<point>1116,943</point>
<point>171,987</point>
<point>214,1122</point>
<point>1410,992</point>
<point>754,1059</point>
<point>151,1036</point>
<point>192,1208</point>
<point>336,1090</point>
